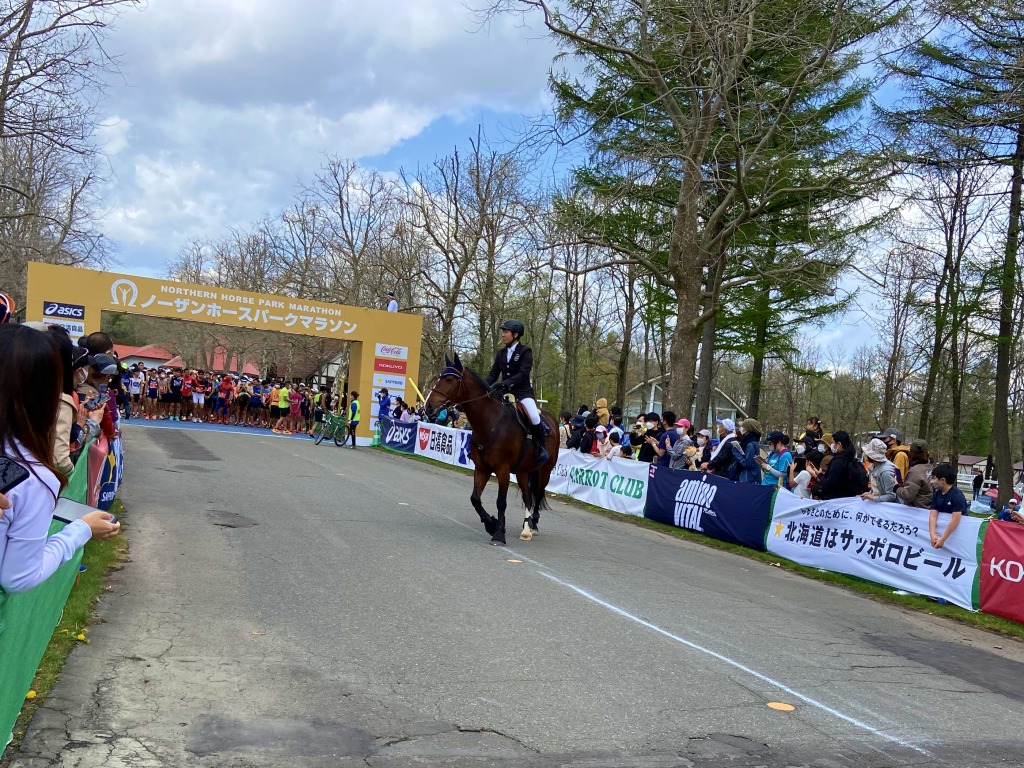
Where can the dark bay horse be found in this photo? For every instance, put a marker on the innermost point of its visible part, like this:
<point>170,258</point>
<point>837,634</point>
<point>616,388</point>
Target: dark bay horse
<point>500,446</point>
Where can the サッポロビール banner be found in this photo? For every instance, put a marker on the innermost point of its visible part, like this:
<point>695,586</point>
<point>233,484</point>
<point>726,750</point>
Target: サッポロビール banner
<point>882,542</point>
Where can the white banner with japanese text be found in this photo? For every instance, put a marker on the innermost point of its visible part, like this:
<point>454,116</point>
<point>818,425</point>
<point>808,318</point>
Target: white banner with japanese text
<point>885,543</point>
<point>616,484</point>
<point>444,444</point>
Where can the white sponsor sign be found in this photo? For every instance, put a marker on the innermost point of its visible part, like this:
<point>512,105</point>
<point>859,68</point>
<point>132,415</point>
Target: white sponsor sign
<point>393,351</point>
<point>76,329</point>
<point>617,484</point>
<point>390,381</point>
<point>882,542</point>
<point>443,444</point>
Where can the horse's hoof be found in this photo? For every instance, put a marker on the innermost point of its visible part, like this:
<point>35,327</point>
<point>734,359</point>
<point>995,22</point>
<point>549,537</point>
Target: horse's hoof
<point>491,524</point>
<point>527,534</point>
<point>496,542</point>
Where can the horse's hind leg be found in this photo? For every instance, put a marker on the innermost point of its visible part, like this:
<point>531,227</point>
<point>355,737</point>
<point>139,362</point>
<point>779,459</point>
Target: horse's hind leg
<point>480,478</point>
<point>524,486</point>
<point>540,484</point>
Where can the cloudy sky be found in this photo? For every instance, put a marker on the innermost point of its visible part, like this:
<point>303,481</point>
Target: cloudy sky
<point>223,107</point>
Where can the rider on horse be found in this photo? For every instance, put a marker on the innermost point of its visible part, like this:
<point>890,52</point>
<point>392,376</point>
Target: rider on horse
<point>512,365</point>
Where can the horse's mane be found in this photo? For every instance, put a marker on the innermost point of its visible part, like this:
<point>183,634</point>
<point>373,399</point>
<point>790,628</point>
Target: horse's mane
<point>475,376</point>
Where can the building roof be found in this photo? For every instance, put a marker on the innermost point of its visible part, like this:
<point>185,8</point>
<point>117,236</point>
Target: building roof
<point>966,460</point>
<point>149,351</point>
<point>657,381</point>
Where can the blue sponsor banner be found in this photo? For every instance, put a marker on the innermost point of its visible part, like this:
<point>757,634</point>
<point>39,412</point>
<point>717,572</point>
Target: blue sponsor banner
<point>398,435</point>
<point>465,444</point>
<point>724,510</point>
<point>108,483</point>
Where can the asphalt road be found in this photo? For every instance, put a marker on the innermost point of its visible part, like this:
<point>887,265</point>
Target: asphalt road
<point>294,605</point>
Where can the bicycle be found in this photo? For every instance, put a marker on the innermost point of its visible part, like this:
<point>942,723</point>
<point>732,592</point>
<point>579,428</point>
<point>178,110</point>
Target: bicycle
<point>335,427</point>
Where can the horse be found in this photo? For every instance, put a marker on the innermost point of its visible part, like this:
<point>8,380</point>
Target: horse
<point>500,446</point>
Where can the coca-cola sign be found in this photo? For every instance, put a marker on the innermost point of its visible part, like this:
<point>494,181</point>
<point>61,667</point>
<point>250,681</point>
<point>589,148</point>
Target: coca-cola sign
<point>393,351</point>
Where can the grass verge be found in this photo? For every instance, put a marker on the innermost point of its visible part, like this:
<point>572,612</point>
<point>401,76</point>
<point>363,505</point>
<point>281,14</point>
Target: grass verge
<point>99,558</point>
<point>870,589</point>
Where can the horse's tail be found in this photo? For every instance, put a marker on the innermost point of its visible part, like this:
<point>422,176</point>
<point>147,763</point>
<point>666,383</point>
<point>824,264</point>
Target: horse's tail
<point>526,489</point>
<point>537,494</point>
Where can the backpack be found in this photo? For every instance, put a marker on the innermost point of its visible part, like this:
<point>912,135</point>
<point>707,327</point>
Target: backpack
<point>574,439</point>
<point>858,476</point>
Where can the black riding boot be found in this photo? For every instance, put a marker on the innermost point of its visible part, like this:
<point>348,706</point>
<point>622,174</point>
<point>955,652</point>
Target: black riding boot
<point>540,438</point>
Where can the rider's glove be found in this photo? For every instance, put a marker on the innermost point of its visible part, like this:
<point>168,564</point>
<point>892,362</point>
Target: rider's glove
<point>498,386</point>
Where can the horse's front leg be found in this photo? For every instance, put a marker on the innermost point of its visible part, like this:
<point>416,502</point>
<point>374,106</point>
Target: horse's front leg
<point>498,537</point>
<point>480,478</point>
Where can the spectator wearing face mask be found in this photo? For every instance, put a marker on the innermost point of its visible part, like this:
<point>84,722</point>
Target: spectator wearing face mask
<point>845,476</point>
<point>824,446</point>
<point>648,438</point>
<point>746,451</point>
<point>703,447</point>
<point>882,475</point>
<point>672,431</point>
<point>722,461</point>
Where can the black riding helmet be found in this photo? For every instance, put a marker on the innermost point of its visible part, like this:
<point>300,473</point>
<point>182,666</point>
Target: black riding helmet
<point>514,326</point>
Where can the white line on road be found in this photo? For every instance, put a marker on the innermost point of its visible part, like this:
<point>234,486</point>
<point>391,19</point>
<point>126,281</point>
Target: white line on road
<point>714,654</point>
<point>731,662</point>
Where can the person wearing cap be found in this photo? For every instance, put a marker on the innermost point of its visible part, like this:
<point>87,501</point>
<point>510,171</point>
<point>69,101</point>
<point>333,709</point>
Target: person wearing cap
<point>896,452</point>
<point>101,368</point>
<point>746,451</point>
<point>391,302</point>
<point>882,474</point>
<point>383,403</point>
<point>916,490</point>
<point>722,462</point>
<point>602,445</point>
<point>776,467</point>
<point>703,448</point>
<point>511,372</point>
<point>824,446</point>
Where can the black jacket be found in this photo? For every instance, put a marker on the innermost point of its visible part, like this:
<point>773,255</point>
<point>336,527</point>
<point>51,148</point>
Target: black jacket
<point>725,464</point>
<point>514,373</point>
<point>845,477</point>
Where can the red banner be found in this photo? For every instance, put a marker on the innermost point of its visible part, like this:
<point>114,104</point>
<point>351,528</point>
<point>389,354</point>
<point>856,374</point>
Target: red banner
<point>385,365</point>
<point>1001,591</point>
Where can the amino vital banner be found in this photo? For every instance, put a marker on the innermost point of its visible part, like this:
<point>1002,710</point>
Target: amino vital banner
<point>882,542</point>
<point>398,435</point>
<point>616,484</point>
<point>1002,571</point>
<point>721,509</point>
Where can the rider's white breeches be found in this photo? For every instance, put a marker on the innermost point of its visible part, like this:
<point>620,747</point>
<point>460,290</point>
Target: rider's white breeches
<point>531,408</point>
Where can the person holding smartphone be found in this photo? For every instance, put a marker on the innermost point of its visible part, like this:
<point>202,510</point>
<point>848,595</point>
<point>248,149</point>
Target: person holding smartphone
<point>30,388</point>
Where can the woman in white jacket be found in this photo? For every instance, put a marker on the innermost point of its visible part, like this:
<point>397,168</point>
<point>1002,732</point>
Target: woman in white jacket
<point>30,387</point>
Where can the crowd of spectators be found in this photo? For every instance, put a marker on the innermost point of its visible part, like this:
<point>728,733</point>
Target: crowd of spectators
<point>814,465</point>
<point>55,397</point>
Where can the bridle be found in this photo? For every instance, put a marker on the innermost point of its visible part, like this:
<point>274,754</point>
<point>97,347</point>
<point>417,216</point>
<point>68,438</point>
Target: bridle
<point>449,371</point>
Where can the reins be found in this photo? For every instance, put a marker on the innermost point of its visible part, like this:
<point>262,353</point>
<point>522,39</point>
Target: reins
<point>449,402</point>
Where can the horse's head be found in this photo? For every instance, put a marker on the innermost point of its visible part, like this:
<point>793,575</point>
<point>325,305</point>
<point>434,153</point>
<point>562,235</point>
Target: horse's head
<point>448,389</point>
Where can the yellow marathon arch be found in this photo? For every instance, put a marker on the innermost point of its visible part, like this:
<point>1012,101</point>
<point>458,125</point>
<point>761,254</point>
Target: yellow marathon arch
<point>385,349</point>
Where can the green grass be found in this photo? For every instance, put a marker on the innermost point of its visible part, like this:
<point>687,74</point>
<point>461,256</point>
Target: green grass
<point>878,592</point>
<point>100,557</point>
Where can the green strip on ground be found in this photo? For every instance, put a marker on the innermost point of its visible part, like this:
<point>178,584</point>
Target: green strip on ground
<point>99,558</point>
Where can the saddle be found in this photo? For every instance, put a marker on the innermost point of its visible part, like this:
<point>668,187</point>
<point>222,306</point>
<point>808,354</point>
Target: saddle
<point>523,418</point>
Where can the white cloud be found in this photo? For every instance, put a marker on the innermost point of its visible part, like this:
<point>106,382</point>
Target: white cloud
<point>225,105</point>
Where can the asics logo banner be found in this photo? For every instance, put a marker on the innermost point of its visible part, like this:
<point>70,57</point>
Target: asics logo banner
<point>57,309</point>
